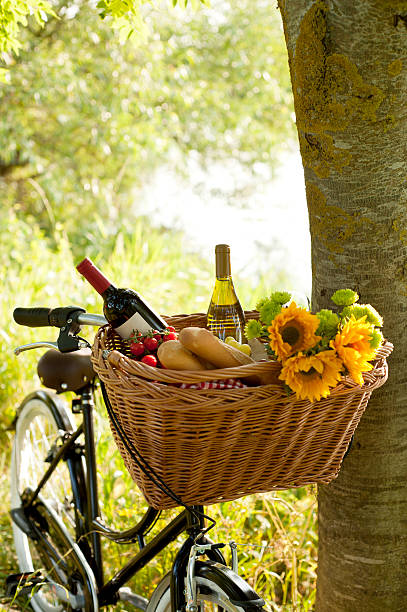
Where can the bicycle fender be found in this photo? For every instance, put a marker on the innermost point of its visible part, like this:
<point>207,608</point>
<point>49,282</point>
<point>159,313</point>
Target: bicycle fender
<point>238,590</point>
<point>57,406</point>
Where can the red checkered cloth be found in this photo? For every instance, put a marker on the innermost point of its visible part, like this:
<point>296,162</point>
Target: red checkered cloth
<point>228,383</point>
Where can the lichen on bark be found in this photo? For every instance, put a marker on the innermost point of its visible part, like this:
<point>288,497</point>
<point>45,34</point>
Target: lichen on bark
<point>331,224</point>
<point>329,93</point>
<point>400,230</point>
<point>395,67</point>
<point>396,5</point>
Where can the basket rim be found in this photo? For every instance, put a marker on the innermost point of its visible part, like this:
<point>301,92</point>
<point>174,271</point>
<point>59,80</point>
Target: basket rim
<point>120,366</point>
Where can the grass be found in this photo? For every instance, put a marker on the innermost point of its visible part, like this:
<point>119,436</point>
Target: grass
<point>276,532</point>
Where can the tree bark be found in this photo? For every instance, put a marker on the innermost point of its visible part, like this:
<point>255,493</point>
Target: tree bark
<point>348,65</point>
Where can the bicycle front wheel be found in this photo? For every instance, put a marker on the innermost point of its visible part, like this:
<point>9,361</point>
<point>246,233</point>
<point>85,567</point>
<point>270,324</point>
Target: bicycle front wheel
<point>218,589</point>
<point>39,425</point>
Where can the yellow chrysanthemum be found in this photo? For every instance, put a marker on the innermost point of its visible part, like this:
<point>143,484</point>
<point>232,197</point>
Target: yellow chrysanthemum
<point>293,330</point>
<point>312,377</point>
<point>352,345</point>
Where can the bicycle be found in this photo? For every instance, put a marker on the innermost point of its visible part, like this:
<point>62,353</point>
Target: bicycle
<point>55,511</point>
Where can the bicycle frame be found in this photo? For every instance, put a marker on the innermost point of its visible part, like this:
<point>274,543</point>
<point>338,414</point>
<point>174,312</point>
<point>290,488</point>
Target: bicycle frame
<point>90,527</point>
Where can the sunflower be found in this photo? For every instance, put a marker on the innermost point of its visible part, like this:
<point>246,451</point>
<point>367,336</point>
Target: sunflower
<point>293,330</point>
<point>353,346</point>
<point>312,377</point>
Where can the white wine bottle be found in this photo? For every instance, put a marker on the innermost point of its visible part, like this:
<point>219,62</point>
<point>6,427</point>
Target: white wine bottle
<point>225,315</point>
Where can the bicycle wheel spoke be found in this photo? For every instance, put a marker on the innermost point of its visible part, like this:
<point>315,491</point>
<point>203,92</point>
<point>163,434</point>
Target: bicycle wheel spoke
<point>36,445</point>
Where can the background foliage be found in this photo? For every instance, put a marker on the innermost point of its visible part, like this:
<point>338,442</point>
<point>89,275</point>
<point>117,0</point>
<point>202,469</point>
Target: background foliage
<point>86,117</point>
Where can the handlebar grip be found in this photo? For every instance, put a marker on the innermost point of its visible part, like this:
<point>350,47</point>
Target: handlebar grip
<point>32,317</point>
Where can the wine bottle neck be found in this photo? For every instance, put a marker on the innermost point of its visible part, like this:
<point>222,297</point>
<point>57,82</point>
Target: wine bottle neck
<point>222,265</point>
<point>95,277</point>
<point>108,291</point>
<point>222,280</point>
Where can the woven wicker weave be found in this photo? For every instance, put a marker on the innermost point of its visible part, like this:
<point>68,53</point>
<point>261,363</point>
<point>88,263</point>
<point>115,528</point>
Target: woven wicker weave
<point>214,445</point>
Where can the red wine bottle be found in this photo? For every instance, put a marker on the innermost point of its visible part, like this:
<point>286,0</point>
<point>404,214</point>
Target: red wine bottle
<point>124,309</point>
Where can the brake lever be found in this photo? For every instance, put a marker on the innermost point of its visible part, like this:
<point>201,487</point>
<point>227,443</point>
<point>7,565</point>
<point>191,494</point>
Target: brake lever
<point>68,340</point>
<point>66,343</point>
<point>34,345</point>
<point>54,345</point>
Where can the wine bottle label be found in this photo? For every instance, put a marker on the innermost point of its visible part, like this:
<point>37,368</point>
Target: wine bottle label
<point>136,322</point>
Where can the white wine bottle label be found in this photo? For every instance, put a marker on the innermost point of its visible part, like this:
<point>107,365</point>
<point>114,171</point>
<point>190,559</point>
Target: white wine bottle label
<point>136,322</point>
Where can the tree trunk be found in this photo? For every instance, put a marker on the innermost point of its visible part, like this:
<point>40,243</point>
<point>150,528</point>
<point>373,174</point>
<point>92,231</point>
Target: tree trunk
<point>348,64</point>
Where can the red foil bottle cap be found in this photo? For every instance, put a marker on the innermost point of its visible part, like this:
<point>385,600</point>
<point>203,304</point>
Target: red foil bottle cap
<point>93,275</point>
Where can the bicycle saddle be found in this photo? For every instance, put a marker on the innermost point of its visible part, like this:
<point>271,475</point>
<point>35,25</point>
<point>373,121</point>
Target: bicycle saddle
<point>65,371</point>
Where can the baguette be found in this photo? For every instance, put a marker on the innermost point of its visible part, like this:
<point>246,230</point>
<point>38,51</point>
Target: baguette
<point>207,346</point>
<point>173,355</point>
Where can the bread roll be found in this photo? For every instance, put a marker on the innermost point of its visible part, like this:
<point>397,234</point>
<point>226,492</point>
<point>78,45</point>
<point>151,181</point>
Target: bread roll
<point>207,346</point>
<point>173,355</point>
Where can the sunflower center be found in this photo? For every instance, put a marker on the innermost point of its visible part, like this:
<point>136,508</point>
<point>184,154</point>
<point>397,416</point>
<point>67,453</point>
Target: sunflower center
<point>311,373</point>
<point>290,334</point>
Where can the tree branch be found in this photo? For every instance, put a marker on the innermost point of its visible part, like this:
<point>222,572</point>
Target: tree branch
<point>7,167</point>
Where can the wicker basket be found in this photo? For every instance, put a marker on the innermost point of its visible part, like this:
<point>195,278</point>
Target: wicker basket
<point>213,445</point>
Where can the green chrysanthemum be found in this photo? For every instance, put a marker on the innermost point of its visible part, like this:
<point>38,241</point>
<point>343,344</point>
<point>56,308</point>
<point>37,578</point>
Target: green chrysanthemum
<point>376,339</point>
<point>253,329</point>
<point>261,303</point>
<point>344,297</point>
<point>363,310</point>
<point>280,297</point>
<point>268,311</point>
<point>328,323</point>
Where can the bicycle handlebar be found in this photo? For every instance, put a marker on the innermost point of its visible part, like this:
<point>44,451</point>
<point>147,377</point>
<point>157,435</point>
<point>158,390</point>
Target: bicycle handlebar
<point>55,317</point>
<point>32,317</point>
<point>91,319</point>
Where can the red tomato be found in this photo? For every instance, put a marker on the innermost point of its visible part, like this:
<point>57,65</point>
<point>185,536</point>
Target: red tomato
<point>170,336</point>
<point>150,360</point>
<point>151,344</point>
<point>137,349</point>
